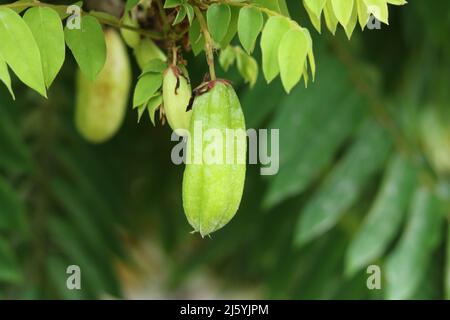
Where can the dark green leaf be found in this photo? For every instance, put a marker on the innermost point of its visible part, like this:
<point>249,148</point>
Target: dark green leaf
<point>406,266</point>
<point>385,217</point>
<point>345,183</point>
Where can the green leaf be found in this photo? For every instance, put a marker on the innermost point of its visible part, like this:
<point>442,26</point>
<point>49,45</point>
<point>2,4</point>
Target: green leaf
<point>344,184</point>
<point>172,4</point>
<point>130,4</point>
<point>146,87</point>
<point>385,216</point>
<point>272,5</point>
<point>283,8</point>
<point>248,67</point>
<point>407,265</point>
<point>351,25</point>
<point>154,66</point>
<point>330,18</point>
<point>363,14</point>
<point>5,77</point>
<point>379,9</point>
<point>180,16</point>
<point>189,11</point>
<point>250,24</point>
<point>343,10</point>
<point>232,28</point>
<point>218,19</point>
<point>303,159</point>
<point>227,57</point>
<point>273,32</point>
<point>314,9</point>
<point>152,106</point>
<point>292,55</point>
<point>47,29</point>
<point>20,51</point>
<point>88,46</point>
<point>196,38</point>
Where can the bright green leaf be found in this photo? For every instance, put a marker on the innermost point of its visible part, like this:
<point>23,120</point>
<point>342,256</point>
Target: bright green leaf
<point>250,24</point>
<point>379,9</point>
<point>47,29</point>
<point>343,10</point>
<point>248,67</point>
<point>330,18</point>
<point>292,55</point>
<point>273,32</point>
<point>218,19</point>
<point>88,46</point>
<point>20,51</point>
<point>146,87</point>
<point>152,106</point>
<point>5,77</point>
<point>196,38</point>
<point>172,4</point>
<point>180,16</point>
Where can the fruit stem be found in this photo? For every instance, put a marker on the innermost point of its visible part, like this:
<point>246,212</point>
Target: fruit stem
<point>208,43</point>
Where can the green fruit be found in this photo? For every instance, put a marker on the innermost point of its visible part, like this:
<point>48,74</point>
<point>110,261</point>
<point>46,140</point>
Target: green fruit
<point>101,104</point>
<point>131,38</point>
<point>176,96</point>
<point>212,190</point>
<point>146,51</point>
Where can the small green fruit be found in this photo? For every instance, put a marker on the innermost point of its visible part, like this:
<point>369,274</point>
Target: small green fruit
<point>131,38</point>
<point>176,97</point>
<point>101,104</point>
<point>146,51</point>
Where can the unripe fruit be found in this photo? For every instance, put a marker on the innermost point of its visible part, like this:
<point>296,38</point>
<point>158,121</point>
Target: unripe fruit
<point>213,187</point>
<point>146,51</point>
<point>131,38</point>
<point>101,104</point>
<point>176,97</point>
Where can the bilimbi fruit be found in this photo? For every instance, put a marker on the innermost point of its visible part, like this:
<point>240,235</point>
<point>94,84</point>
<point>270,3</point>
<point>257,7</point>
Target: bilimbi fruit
<point>176,97</point>
<point>146,51</point>
<point>214,176</point>
<point>101,104</point>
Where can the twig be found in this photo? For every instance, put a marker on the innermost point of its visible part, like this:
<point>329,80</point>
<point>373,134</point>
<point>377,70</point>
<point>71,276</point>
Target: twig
<point>208,43</point>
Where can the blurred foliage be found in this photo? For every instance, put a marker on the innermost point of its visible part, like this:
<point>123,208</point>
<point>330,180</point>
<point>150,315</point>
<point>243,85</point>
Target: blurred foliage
<point>364,179</point>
